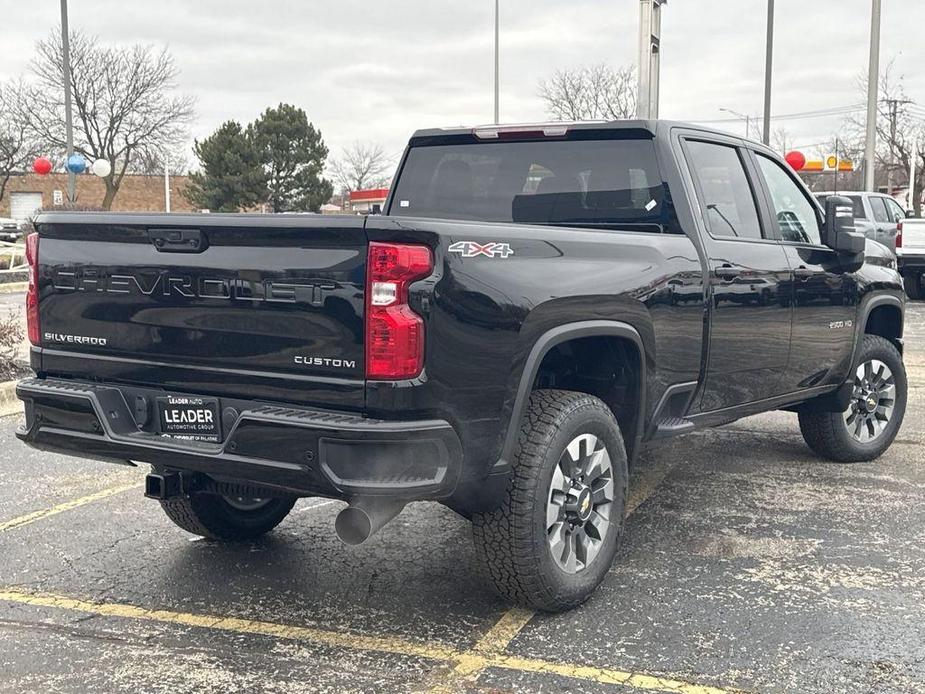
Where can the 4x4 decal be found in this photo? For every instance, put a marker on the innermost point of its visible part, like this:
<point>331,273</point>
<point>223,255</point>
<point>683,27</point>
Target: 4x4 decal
<point>471,249</point>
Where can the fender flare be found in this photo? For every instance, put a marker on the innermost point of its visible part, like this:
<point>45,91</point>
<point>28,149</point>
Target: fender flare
<point>548,340</point>
<point>864,314</point>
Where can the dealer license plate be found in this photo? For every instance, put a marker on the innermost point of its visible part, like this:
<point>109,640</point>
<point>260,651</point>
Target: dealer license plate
<point>186,417</point>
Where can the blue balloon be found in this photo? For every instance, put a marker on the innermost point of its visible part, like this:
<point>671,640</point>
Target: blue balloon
<point>76,164</point>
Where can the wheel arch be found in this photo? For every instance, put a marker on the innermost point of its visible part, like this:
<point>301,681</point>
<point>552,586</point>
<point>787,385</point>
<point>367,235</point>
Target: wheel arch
<point>882,315</point>
<point>587,335</point>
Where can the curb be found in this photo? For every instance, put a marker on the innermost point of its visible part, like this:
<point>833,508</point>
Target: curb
<point>9,403</point>
<point>13,287</point>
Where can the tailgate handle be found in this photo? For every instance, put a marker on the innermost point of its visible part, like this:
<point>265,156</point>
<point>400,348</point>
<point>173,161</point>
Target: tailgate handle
<point>178,240</point>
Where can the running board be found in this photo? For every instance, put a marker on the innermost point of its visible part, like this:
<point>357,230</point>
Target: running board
<point>673,426</point>
<point>669,418</point>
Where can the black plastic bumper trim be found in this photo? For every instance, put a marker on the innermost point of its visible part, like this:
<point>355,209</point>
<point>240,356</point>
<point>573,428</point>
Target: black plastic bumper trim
<point>301,451</point>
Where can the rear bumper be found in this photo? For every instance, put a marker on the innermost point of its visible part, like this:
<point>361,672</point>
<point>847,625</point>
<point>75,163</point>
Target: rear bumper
<point>295,450</point>
<point>910,261</point>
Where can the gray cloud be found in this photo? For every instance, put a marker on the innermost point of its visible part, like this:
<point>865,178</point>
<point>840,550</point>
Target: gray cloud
<point>378,71</point>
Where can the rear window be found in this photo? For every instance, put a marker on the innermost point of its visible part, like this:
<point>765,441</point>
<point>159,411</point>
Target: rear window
<point>588,183</point>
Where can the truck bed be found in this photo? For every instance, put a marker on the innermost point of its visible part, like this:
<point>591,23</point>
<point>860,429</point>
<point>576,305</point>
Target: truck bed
<point>270,306</point>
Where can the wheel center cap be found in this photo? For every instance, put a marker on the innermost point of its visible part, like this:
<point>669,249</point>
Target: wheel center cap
<point>584,506</point>
<point>870,404</point>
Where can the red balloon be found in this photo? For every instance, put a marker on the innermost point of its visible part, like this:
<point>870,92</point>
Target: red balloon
<point>42,166</point>
<point>796,160</point>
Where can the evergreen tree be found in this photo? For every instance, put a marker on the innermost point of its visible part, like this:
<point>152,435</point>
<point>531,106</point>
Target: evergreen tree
<point>293,156</point>
<point>232,178</point>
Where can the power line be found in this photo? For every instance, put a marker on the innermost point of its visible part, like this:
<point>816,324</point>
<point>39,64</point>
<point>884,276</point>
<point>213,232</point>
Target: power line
<point>818,113</point>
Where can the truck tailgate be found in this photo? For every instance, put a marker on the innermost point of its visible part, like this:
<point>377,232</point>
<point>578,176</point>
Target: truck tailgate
<point>266,307</point>
<point>913,236</point>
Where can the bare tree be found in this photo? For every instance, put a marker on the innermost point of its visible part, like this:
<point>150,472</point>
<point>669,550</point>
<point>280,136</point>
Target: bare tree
<point>124,102</point>
<point>781,140</point>
<point>17,145</point>
<point>590,93</point>
<point>900,123</point>
<point>151,161</point>
<point>361,165</point>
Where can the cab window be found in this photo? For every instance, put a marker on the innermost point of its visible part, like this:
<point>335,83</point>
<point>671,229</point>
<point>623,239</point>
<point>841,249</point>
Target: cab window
<point>896,213</point>
<point>726,195</point>
<point>796,215</point>
<point>878,207</point>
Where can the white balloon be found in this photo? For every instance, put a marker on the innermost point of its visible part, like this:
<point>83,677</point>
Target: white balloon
<point>101,168</point>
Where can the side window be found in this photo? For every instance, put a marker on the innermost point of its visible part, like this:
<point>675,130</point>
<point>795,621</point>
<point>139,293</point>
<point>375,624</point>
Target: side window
<point>726,195</point>
<point>897,213</point>
<point>858,204</point>
<point>879,209</point>
<point>796,215</point>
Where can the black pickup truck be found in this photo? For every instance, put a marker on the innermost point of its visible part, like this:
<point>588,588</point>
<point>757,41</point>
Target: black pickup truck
<point>536,305</point>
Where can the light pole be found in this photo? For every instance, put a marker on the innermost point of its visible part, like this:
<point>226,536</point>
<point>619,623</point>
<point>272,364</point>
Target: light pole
<point>743,116</point>
<point>873,87</point>
<point>166,183</point>
<point>650,46</point>
<point>769,50</point>
<point>497,61</point>
<point>66,75</point>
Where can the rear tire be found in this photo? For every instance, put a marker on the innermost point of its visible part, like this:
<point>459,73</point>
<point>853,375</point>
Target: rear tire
<point>554,537</point>
<point>867,428</point>
<point>219,518</point>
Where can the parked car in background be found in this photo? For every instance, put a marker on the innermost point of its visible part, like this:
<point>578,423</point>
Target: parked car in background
<point>9,229</point>
<point>875,214</point>
<point>910,255</point>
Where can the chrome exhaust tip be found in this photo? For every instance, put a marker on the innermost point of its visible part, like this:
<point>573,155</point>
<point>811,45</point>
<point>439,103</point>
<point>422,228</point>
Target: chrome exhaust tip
<point>364,517</point>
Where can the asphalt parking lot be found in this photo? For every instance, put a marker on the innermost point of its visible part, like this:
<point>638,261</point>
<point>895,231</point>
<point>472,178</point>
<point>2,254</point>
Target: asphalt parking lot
<point>748,564</point>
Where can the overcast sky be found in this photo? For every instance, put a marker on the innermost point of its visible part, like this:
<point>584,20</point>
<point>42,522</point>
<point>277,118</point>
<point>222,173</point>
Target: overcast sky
<point>379,70</point>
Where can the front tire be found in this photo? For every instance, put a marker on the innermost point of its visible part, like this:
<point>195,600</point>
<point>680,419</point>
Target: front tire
<point>554,537</point>
<point>878,403</point>
<point>227,518</point>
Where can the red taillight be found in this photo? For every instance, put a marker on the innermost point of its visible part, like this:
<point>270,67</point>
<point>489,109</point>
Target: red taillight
<point>32,295</point>
<point>899,235</point>
<point>394,333</point>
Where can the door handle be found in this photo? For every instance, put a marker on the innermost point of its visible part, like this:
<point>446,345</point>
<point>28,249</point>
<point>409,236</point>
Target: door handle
<point>803,273</point>
<point>727,272</point>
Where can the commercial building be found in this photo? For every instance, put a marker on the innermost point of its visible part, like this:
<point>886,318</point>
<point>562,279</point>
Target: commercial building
<point>368,201</point>
<point>26,193</point>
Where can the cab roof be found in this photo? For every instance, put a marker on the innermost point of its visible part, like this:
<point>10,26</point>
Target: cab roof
<point>552,129</point>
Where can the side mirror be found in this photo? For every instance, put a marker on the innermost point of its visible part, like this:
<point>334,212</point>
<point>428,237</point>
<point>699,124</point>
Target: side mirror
<point>910,214</point>
<point>840,233</point>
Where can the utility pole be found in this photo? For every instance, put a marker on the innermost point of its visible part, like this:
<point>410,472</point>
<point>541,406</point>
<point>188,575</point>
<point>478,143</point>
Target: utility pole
<point>497,61</point>
<point>166,184</point>
<point>910,200</point>
<point>769,50</point>
<point>650,30</point>
<point>873,76</point>
<point>66,76</point>
<point>893,106</point>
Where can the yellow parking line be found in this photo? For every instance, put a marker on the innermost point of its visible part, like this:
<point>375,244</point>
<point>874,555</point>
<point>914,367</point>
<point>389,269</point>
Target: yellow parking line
<point>495,641</point>
<point>604,676</point>
<point>473,660</point>
<point>233,624</point>
<point>66,506</point>
<point>499,637</point>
